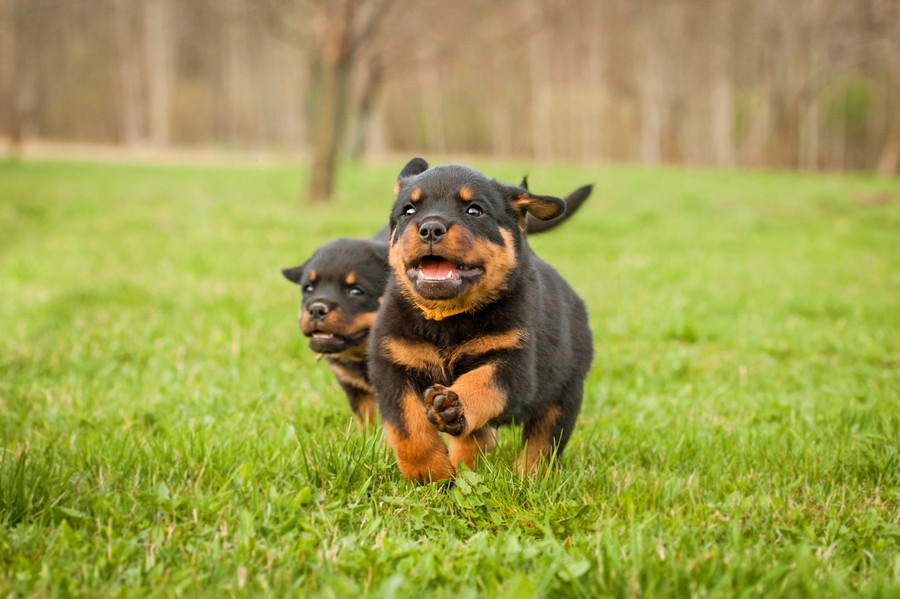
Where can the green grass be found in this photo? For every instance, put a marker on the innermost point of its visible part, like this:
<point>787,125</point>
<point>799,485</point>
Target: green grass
<point>165,431</point>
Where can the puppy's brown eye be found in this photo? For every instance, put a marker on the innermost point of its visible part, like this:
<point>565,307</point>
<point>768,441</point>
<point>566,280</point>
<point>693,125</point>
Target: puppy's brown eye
<point>474,210</point>
<point>308,288</point>
<point>356,291</point>
<point>409,210</point>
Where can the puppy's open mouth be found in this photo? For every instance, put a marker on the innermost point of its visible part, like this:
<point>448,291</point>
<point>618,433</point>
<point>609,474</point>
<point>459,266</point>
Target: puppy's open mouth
<point>325,342</point>
<point>435,277</point>
<point>437,269</point>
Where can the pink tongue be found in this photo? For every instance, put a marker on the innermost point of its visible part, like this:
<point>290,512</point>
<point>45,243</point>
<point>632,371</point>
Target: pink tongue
<point>434,268</point>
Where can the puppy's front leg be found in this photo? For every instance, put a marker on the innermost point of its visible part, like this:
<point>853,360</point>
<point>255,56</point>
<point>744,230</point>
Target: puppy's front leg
<point>469,404</point>
<point>421,454</point>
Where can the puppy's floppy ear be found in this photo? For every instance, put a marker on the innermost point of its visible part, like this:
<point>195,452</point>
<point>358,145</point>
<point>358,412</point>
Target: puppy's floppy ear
<point>414,167</point>
<point>524,183</point>
<point>380,251</point>
<point>573,202</point>
<point>525,202</point>
<point>294,273</point>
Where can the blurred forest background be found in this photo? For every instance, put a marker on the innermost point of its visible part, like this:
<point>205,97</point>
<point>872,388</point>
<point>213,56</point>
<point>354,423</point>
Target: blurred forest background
<point>799,84</point>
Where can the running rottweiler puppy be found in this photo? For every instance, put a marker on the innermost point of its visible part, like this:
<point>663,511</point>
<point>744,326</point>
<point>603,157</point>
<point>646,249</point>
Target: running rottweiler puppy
<point>342,285</point>
<point>475,330</point>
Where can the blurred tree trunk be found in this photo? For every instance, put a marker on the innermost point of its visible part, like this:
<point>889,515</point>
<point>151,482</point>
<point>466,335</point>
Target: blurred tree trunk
<point>810,149</point>
<point>650,90</point>
<point>810,132</point>
<point>541,89</point>
<point>340,27</point>
<point>330,75</point>
<point>159,43</point>
<point>889,161</point>
<point>19,78</point>
<point>131,104</point>
<point>373,76</point>
<point>887,15</point>
<point>593,136</point>
<point>233,82</point>
<point>8,74</point>
<point>434,126</point>
<point>722,87</point>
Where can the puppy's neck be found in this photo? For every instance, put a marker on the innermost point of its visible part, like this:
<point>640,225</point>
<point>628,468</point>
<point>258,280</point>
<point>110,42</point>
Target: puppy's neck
<point>430,314</point>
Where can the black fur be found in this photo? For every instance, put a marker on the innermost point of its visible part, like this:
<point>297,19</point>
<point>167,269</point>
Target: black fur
<point>367,259</point>
<point>348,308</point>
<point>536,382</point>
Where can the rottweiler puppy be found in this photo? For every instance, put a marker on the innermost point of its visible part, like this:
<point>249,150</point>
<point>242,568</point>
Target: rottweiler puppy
<point>342,284</point>
<point>474,331</point>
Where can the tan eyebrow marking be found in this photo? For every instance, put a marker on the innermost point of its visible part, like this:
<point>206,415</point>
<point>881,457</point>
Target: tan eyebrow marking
<point>466,193</point>
<point>312,276</point>
<point>416,194</point>
<point>351,278</point>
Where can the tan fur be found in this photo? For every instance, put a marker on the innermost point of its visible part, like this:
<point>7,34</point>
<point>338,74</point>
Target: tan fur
<point>336,322</point>
<point>365,320</point>
<point>422,357</point>
<point>465,193</point>
<point>350,279</point>
<point>481,398</point>
<point>512,339</point>
<point>425,357</point>
<point>366,411</point>
<point>540,444</point>
<point>527,203</point>
<point>421,454</point>
<point>461,247</point>
<point>467,449</point>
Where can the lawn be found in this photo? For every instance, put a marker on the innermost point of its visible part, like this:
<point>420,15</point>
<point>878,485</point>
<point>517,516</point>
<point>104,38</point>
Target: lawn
<point>165,431</point>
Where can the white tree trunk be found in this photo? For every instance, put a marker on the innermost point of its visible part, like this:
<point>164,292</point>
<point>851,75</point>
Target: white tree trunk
<point>8,71</point>
<point>541,87</point>
<point>131,93</point>
<point>722,103</point>
<point>159,46</point>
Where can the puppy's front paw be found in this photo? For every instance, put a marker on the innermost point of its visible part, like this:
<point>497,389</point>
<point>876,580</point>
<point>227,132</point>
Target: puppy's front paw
<point>444,410</point>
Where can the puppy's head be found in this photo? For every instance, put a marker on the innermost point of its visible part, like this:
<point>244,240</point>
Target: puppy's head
<point>342,284</point>
<point>456,235</point>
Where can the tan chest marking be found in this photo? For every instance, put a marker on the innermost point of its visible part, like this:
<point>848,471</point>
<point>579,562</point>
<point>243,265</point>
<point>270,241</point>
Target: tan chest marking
<point>349,377</point>
<point>422,356</point>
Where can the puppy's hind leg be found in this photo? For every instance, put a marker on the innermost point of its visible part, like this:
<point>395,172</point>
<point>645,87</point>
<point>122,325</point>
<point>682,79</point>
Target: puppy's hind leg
<point>466,449</point>
<point>546,435</point>
<point>364,409</point>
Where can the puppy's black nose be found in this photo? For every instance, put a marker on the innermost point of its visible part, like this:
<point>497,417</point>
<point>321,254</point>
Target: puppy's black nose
<point>318,310</point>
<point>432,231</point>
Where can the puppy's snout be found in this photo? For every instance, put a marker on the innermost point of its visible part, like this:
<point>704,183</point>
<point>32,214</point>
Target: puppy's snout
<point>432,231</point>
<point>318,310</point>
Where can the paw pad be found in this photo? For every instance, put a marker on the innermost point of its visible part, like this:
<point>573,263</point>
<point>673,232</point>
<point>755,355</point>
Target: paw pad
<point>444,410</point>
